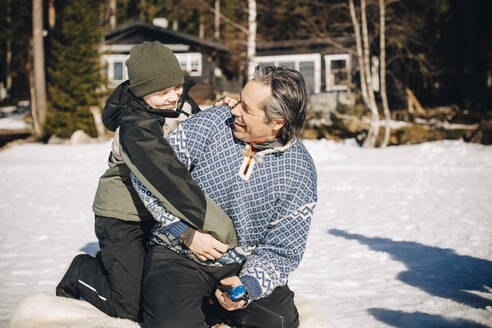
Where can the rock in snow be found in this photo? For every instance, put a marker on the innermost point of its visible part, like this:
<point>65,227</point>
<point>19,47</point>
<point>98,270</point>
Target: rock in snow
<point>46,311</point>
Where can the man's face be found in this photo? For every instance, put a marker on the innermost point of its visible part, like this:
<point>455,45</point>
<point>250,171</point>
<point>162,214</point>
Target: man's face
<point>250,120</point>
<point>164,99</point>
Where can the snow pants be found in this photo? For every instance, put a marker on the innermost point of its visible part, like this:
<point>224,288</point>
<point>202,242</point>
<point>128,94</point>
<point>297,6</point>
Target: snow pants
<point>112,281</point>
<point>179,293</point>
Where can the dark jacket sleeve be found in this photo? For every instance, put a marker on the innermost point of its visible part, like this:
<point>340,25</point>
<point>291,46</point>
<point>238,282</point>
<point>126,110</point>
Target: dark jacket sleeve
<point>151,158</point>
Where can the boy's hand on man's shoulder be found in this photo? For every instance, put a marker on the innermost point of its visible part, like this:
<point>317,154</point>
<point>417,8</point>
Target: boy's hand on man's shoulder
<point>226,101</point>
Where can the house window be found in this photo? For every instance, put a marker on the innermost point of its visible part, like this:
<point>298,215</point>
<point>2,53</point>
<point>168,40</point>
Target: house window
<point>114,68</point>
<point>289,64</point>
<point>191,62</point>
<point>337,72</point>
<point>307,70</point>
<point>195,66</point>
<point>118,71</point>
<point>309,65</point>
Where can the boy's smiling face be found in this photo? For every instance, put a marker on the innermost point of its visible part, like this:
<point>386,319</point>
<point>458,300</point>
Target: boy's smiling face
<point>164,99</point>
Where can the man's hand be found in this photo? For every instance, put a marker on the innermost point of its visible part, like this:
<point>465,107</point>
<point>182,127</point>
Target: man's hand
<point>224,299</point>
<point>207,247</point>
<point>231,102</point>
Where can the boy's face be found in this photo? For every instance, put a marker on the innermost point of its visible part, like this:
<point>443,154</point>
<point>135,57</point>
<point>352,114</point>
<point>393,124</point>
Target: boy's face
<point>164,99</point>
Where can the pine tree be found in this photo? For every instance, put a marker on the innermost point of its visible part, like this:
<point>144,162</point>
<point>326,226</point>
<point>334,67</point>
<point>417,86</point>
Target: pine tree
<point>15,35</point>
<point>76,73</point>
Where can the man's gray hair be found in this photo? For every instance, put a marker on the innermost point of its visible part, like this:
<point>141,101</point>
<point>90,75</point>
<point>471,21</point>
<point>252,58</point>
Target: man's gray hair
<point>288,101</point>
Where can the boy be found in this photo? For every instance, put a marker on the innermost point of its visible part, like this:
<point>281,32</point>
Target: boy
<point>137,111</point>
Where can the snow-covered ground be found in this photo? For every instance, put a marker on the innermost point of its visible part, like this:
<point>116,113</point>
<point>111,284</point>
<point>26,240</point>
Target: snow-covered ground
<point>12,117</point>
<point>401,237</point>
<point>13,123</point>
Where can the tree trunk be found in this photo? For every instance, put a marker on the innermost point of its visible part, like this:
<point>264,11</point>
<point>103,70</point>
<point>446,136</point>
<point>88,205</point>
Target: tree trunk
<point>201,28</point>
<point>96,114</point>
<point>38,61</point>
<point>358,44</point>
<point>175,25</point>
<point>34,113</point>
<point>112,14</point>
<point>217,20</point>
<point>251,51</point>
<point>143,9</point>
<point>366,54</point>
<point>8,55</point>
<point>8,60</point>
<point>382,74</point>
<point>363,56</point>
<point>51,14</point>
<point>374,127</point>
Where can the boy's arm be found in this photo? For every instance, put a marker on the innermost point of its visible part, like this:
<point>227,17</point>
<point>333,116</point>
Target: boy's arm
<point>152,160</point>
<point>203,245</point>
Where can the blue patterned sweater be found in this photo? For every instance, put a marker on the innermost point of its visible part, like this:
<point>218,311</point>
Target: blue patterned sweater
<point>271,208</point>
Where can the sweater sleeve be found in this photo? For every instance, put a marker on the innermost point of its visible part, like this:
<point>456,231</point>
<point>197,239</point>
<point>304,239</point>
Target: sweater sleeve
<point>170,222</point>
<point>281,250</point>
<point>165,173</point>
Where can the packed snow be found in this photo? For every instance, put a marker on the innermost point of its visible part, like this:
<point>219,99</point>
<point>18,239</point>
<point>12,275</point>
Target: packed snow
<point>401,236</point>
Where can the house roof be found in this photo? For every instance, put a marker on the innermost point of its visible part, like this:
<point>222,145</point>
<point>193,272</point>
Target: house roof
<point>135,32</point>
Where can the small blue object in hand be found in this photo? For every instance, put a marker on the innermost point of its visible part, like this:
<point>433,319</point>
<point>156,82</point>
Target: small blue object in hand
<point>238,293</point>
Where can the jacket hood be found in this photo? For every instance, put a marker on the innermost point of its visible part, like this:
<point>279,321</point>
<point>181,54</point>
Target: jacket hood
<point>123,102</point>
<point>116,106</point>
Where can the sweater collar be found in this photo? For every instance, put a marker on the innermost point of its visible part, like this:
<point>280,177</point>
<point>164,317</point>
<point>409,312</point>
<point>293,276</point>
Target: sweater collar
<point>262,145</point>
<point>270,147</point>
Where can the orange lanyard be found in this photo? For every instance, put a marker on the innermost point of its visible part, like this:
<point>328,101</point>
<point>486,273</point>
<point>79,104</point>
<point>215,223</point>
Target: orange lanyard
<point>250,153</point>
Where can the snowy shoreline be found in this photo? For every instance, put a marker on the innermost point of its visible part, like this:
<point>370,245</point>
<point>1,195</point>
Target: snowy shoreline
<point>401,236</point>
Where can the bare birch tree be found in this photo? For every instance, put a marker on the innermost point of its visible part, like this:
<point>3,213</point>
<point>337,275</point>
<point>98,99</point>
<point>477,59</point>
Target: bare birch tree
<point>360,57</point>
<point>38,63</point>
<point>112,14</point>
<point>217,20</point>
<point>382,74</point>
<point>8,55</point>
<point>363,55</point>
<point>34,113</point>
<point>226,19</point>
<point>251,51</point>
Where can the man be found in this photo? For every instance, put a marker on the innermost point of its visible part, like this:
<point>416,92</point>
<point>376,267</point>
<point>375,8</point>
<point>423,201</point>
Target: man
<point>251,163</point>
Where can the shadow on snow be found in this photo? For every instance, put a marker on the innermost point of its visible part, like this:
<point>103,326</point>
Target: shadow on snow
<point>402,319</point>
<point>437,271</point>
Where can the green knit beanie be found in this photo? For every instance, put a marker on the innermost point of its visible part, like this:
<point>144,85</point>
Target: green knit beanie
<point>152,67</point>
